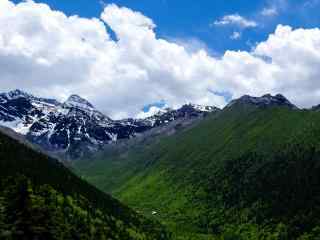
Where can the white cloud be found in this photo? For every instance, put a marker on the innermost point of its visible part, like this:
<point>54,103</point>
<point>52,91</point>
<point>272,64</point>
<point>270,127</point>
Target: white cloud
<point>236,19</point>
<point>235,35</point>
<point>48,53</point>
<point>269,12</point>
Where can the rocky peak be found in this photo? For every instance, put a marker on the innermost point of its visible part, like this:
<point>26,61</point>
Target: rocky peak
<point>263,101</point>
<point>201,108</point>
<point>17,94</point>
<point>75,101</point>
<point>187,111</point>
<point>23,96</point>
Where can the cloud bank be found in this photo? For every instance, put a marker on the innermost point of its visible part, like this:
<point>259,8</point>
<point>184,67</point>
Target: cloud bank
<point>51,54</point>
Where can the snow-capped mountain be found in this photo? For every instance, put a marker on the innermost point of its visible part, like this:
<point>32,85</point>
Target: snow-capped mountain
<point>19,110</point>
<point>76,127</point>
<point>264,101</point>
<point>186,111</point>
<point>75,101</point>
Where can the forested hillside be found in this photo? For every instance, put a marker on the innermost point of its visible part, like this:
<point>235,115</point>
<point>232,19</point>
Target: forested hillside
<point>249,172</point>
<point>41,199</point>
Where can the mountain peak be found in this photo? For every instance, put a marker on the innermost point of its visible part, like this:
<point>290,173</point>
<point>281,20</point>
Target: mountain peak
<point>18,93</point>
<point>263,101</point>
<point>201,108</point>
<point>78,102</point>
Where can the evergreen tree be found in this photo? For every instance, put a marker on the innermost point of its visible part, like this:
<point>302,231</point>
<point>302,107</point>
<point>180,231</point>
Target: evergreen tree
<point>41,199</point>
<point>2,217</point>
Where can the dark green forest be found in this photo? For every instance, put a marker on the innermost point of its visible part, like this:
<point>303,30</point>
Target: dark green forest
<point>245,173</point>
<point>41,199</point>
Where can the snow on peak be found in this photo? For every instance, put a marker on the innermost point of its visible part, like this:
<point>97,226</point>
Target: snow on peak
<point>202,108</point>
<point>15,94</point>
<point>78,102</point>
<point>18,93</point>
<point>63,127</point>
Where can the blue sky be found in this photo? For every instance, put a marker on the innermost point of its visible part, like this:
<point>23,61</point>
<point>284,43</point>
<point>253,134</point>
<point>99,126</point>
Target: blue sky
<point>190,20</point>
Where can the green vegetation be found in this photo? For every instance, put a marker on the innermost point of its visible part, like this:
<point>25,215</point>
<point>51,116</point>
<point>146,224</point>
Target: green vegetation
<point>246,173</point>
<point>41,199</point>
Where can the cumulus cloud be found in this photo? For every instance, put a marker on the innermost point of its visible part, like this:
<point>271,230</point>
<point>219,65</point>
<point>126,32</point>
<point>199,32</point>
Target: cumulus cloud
<point>51,54</point>
<point>237,20</point>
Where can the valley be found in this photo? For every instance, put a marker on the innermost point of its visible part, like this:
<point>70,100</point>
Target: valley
<point>248,171</point>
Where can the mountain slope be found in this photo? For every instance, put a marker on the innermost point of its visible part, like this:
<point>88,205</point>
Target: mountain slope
<point>248,172</point>
<point>41,199</point>
<point>75,128</point>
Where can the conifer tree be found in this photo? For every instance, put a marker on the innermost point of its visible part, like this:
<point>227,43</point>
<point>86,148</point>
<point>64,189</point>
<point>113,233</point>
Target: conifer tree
<point>2,217</point>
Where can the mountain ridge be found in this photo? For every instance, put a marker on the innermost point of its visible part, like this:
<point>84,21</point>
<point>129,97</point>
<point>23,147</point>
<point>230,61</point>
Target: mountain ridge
<point>263,101</point>
<point>75,127</point>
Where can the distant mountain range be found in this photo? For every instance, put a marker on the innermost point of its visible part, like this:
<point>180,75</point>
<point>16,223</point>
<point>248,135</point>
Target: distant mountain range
<point>75,127</point>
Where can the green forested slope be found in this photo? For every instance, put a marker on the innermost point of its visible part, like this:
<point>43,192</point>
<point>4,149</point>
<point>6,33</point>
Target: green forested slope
<point>41,199</point>
<point>248,173</point>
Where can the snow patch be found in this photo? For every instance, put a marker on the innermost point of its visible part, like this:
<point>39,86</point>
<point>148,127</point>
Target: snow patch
<point>17,125</point>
